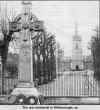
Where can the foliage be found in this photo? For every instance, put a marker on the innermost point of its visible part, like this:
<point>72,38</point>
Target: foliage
<point>95,50</point>
<point>44,63</point>
<point>12,65</point>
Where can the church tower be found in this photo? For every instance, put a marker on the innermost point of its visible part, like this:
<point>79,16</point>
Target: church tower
<point>77,56</point>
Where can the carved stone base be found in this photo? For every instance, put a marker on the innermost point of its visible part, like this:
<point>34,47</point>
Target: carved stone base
<point>26,89</point>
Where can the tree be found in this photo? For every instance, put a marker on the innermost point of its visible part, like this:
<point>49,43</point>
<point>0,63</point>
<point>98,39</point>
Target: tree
<point>95,50</point>
<point>44,57</point>
<point>12,65</point>
<point>4,43</point>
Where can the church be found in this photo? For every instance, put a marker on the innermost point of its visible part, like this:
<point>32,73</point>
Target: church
<point>77,53</point>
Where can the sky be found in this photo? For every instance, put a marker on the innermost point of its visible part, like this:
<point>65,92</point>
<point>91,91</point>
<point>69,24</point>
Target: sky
<point>59,18</point>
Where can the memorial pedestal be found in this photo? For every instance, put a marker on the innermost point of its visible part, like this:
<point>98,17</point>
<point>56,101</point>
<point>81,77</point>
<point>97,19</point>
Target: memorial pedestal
<point>26,89</point>
<point>25,77</point>
<point>25,85</point>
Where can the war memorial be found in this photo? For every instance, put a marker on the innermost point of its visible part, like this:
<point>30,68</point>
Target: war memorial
<point>40,73</point>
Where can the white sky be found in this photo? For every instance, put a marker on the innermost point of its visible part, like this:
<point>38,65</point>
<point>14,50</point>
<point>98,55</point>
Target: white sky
<point>59,18</point>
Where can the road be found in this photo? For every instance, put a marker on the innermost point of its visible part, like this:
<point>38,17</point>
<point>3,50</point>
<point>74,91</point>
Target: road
<point>76,83</point>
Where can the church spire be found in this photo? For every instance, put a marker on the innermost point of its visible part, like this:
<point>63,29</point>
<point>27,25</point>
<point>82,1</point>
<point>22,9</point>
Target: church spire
<point>76,33</point>
<point>76,29</point>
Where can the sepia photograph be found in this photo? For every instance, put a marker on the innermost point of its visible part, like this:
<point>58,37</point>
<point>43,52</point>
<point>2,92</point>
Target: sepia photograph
<point>49,53</point>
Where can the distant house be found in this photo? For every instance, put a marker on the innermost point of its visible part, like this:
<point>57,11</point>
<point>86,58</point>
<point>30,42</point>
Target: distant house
<point>87,63</point>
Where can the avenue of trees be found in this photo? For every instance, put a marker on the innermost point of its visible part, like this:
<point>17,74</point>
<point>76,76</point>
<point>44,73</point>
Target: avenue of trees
<point>95,50</point>
<point>5,38</point>
<point>44,62</point>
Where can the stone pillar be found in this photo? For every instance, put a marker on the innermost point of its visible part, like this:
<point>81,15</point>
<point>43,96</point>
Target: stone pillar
<point>25,58</point>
